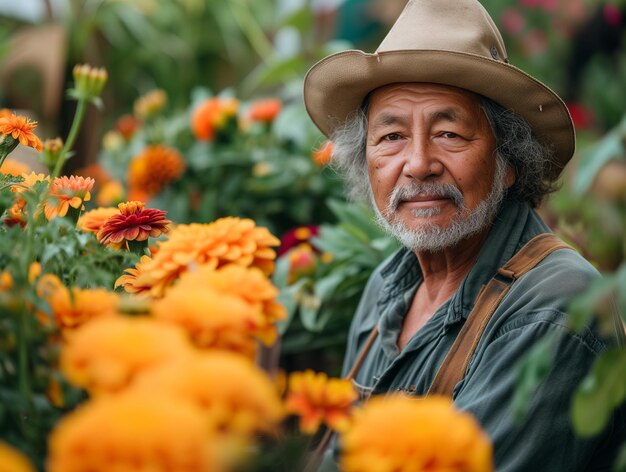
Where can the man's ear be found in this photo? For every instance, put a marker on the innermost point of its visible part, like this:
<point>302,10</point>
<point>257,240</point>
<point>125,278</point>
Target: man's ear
<point>511,177</point>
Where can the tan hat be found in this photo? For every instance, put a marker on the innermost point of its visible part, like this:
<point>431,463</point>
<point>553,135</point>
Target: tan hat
<point>450,42</point>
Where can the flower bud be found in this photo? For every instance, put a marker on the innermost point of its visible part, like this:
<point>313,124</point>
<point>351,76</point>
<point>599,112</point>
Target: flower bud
<point>88,81</point>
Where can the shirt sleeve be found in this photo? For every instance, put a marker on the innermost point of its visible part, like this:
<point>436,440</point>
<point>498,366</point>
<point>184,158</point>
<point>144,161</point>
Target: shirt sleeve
<point>543,439</point>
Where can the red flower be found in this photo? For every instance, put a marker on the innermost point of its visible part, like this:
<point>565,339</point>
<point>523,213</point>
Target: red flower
<point>265,110</point>
<point>581,115</point>
<point>134,223</point>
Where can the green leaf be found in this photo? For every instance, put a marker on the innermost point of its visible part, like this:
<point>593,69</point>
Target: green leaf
<point>620,462</point>
<point>603,389</point>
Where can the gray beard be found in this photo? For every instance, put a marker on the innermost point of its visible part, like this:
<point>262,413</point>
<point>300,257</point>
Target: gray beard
<point>430,237</point>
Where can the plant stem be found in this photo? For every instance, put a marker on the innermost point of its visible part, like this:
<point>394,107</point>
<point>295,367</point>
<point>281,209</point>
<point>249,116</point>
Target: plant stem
<point>250,27</point>
<point>71,138</point>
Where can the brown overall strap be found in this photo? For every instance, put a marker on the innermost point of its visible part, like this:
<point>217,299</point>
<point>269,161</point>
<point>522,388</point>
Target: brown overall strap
<point>454,366</point>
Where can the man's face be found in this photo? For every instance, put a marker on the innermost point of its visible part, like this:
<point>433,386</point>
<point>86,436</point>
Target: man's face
<point>431,162</point>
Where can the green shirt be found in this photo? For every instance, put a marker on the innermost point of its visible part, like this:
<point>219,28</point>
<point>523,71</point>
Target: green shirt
<point>534,307</point>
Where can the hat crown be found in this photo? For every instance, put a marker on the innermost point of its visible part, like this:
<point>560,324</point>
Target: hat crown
<point>445,25</point>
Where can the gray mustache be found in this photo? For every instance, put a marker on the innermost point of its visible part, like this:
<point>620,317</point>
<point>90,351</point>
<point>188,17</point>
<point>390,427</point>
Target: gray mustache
<point>415,189</point>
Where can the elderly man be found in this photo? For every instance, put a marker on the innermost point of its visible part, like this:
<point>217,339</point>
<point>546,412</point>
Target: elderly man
<point>454,147</point>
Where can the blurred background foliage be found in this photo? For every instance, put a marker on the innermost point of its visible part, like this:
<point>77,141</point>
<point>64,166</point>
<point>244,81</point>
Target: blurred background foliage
<point>194,50</point>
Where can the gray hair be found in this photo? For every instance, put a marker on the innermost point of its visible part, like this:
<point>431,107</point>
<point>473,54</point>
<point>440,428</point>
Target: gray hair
<point>516,144</point>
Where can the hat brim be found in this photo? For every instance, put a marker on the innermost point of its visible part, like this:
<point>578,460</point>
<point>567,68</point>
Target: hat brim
<point>336,86</point>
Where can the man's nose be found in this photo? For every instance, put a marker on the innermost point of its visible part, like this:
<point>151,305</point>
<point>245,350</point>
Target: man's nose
<point>421,162</point>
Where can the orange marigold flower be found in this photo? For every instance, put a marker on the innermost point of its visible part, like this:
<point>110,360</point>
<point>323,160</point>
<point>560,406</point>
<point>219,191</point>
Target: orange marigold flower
<point>133,223</point>
<point>154,168</point>
<point>212,319</point>
<point>105,354</point>
<point>12,460</point>
<point>66,192</point>
<point>322,155</point>
<point>6,281</point>
<point>74,308</point>
<point>224,241</point>
<point>21,129</point>
<point>13,167</point>
<point>239,398</point>
<point>212,115</point>
<point>16,213</point>
<point>316,399</point>
<point>92,221</point>
<point>446,439</point>
<point>248,284</point>
<point>265,110</point>
<point>127,126</point>
<point>133,432</point>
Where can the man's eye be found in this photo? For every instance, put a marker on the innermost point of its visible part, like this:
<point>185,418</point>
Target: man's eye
<point>449,135</point>
<point>392,137</point>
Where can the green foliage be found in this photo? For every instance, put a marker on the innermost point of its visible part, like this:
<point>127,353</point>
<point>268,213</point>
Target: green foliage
<point>601,392</point>
<point>321,304</point>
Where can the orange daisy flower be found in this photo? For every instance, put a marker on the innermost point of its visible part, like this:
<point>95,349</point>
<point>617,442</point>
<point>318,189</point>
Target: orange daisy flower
<point>13,460</point>
<point>92,221</point>
<point>265,110</point>
<point>211,116</point>
<point>13,167</point>
<point>153,169</point>
<point>66,192</point>
<point>322,155</point>
<point>227,240</point>
<point>444,438</point>
<point>73,308</point>
<point>316,399</point>
<point>16,213</point>
<point>127,126</point>
<point>21,129</point>
<point>133,223</point>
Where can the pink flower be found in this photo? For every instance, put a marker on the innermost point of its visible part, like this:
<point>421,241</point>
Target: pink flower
<point>612,14</point>
<point>512,21</point>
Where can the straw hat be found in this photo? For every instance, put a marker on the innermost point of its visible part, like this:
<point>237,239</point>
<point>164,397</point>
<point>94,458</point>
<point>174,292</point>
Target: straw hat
<point>450,42</point>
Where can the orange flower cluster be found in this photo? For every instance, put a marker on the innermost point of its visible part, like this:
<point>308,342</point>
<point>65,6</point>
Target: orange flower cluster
<point>133,432</point>
<point>73,308</point>
<point>105,354</point>
<point>152,169</point>
<point>133,222</point>
<point>66,192</point>
<point>224,241</point>
<point>15,214</point>
<point>127,126</point>
<point>20,129</point>
<point>401,433</point>
<point>227,308</point>
<point>13,167</point>
<point>213,115</point>
<point>11,460</point>
<point>316,399</point>
<point>238,398</point>
<point>265,110</point>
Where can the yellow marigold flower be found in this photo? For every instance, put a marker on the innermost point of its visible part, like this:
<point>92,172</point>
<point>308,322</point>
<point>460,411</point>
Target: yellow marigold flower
<point>224,241</point>
<point>73,308</point>
<point>29,181</point>
<point>105,354</point>
<point>133,223</point>
<point>66,192</point>
<point>265,110</point>
<point>150,104</point>
<point>212,319</point>
<point>111,193</point>
<point>414,435</point>
<point>316,399</point>
<point>20,129</point>
<point>133,432</point>
<point>92,221</point>
<point>211,116</point>
<point>322,155</point>
<point>239,398</point>
<point>12,460</point>
<point>154,168</point>
<point>16,213</point>
<point>248,284</point>
<point>13,167</point>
